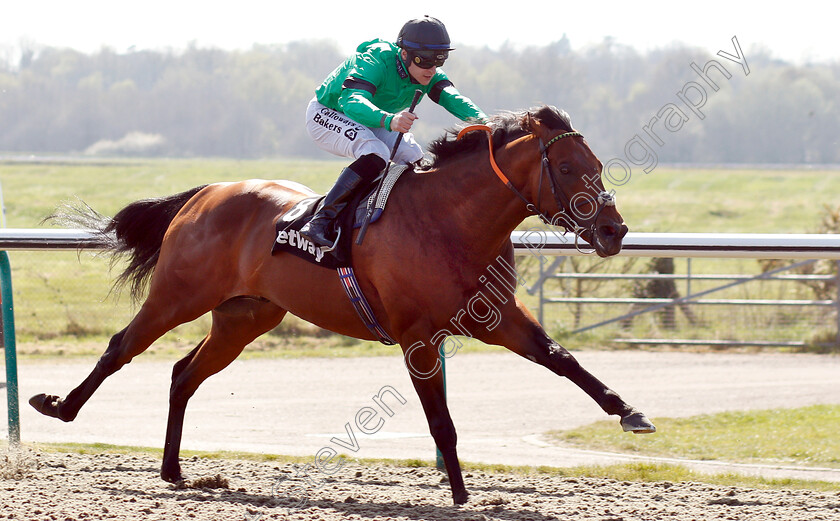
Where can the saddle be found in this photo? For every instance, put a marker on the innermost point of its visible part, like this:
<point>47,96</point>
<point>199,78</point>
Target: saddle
<point>288,225</point>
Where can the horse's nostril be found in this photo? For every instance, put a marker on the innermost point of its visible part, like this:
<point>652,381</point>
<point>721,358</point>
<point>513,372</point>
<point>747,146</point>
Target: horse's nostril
<point>615,230</point>
<point>607,230</point>
<point>623,231</point>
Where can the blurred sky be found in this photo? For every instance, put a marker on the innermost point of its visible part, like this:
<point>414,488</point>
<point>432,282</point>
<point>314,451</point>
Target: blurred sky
<point>800,31</point>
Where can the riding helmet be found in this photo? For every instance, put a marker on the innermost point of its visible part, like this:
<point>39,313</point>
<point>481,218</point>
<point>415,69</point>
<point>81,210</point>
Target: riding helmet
<point>425,33</point>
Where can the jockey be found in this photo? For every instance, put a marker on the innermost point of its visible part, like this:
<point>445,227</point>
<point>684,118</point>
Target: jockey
<point>360,110</point>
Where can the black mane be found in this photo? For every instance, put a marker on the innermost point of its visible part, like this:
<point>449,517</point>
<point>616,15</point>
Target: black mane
<point>506,127</point>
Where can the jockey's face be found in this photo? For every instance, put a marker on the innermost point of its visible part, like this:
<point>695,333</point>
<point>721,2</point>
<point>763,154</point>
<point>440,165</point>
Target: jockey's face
<point>421,76</point>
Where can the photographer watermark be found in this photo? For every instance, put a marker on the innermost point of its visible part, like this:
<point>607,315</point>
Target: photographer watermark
<point>368,420</point>
<point>496,286</point>
<point>671,117</point>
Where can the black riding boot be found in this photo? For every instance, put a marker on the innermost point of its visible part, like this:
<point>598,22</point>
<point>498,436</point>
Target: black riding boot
<point>318,229</point>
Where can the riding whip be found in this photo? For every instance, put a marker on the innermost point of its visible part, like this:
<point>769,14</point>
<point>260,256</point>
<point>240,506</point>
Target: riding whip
<point>417,94</point>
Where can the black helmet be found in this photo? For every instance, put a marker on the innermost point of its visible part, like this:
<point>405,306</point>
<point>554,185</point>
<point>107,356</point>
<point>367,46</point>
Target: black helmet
<point>422,34</point>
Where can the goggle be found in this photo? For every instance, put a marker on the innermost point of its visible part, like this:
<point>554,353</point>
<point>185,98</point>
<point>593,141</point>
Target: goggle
<point>428,59</point>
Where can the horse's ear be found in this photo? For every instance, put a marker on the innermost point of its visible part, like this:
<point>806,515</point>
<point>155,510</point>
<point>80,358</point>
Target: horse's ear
<point>533,125</point>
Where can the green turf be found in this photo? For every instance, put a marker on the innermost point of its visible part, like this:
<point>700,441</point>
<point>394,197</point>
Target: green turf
<point>805,436</point>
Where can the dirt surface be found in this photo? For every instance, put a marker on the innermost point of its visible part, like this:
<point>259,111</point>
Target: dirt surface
<point>70,487</point>
<point>501,404</point>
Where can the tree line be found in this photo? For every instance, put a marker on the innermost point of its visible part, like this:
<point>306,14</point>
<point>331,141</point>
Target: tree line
<point>247,104</point>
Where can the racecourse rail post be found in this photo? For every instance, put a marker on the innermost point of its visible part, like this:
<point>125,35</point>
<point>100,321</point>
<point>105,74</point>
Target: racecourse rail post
<point>837,301</point>
<point>8,335</point>
<point>439,463</point>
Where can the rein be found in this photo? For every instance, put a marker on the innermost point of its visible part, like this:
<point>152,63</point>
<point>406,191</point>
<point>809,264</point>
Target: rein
<point>567,221</point>
<point>501,175</point>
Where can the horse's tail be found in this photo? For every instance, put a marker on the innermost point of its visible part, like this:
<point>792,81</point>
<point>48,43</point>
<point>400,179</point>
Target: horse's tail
<point>136,231</point>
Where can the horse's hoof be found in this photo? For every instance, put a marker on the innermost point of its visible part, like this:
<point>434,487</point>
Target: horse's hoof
<point>47,405</point>
<point>459,498</point>
<point>173,477</point>
<point>637,423</point>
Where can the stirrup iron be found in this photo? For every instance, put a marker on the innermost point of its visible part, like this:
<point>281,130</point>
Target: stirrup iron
<point>327,249</point>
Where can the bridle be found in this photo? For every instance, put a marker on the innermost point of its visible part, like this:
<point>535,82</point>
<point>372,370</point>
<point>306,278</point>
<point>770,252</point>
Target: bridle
<point>568,222</point>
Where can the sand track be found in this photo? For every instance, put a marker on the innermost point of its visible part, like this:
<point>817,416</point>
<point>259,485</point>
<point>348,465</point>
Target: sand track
<point>500,403</point>
<point>74,487</point>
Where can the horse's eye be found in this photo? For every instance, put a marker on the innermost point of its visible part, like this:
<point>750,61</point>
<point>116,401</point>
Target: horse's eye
<point>564,169</point>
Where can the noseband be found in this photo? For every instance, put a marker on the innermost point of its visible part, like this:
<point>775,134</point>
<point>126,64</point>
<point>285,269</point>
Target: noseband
<point>568,222</point>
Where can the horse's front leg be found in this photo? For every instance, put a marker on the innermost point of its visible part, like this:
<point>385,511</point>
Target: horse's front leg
<point>520,332</point>
<point>424,366</point>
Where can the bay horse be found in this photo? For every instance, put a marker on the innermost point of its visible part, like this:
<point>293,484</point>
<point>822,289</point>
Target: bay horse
<point>421,266</point>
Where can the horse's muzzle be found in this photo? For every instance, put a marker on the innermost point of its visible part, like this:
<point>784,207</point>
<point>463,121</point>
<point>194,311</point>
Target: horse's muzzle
<point>607,238</point>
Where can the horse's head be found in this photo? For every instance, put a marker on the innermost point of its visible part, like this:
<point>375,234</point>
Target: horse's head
<point>568,191</point>
<point>553,172</point>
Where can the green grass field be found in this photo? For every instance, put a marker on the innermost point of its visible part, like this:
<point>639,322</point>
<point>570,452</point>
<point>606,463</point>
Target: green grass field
<point>63,304</point>
<point>666,200</point>
<point>728,200</point>
<point>805,436</point>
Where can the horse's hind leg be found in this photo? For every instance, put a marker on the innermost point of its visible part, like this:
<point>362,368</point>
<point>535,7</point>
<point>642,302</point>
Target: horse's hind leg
<point>236,323</point>
<point>157,316</point>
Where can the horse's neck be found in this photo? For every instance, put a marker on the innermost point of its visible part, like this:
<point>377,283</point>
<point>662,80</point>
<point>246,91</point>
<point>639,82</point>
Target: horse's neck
<point>466,197</point>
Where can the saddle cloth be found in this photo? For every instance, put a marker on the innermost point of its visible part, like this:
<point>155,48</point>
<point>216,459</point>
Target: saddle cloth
<point>288,225</point>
